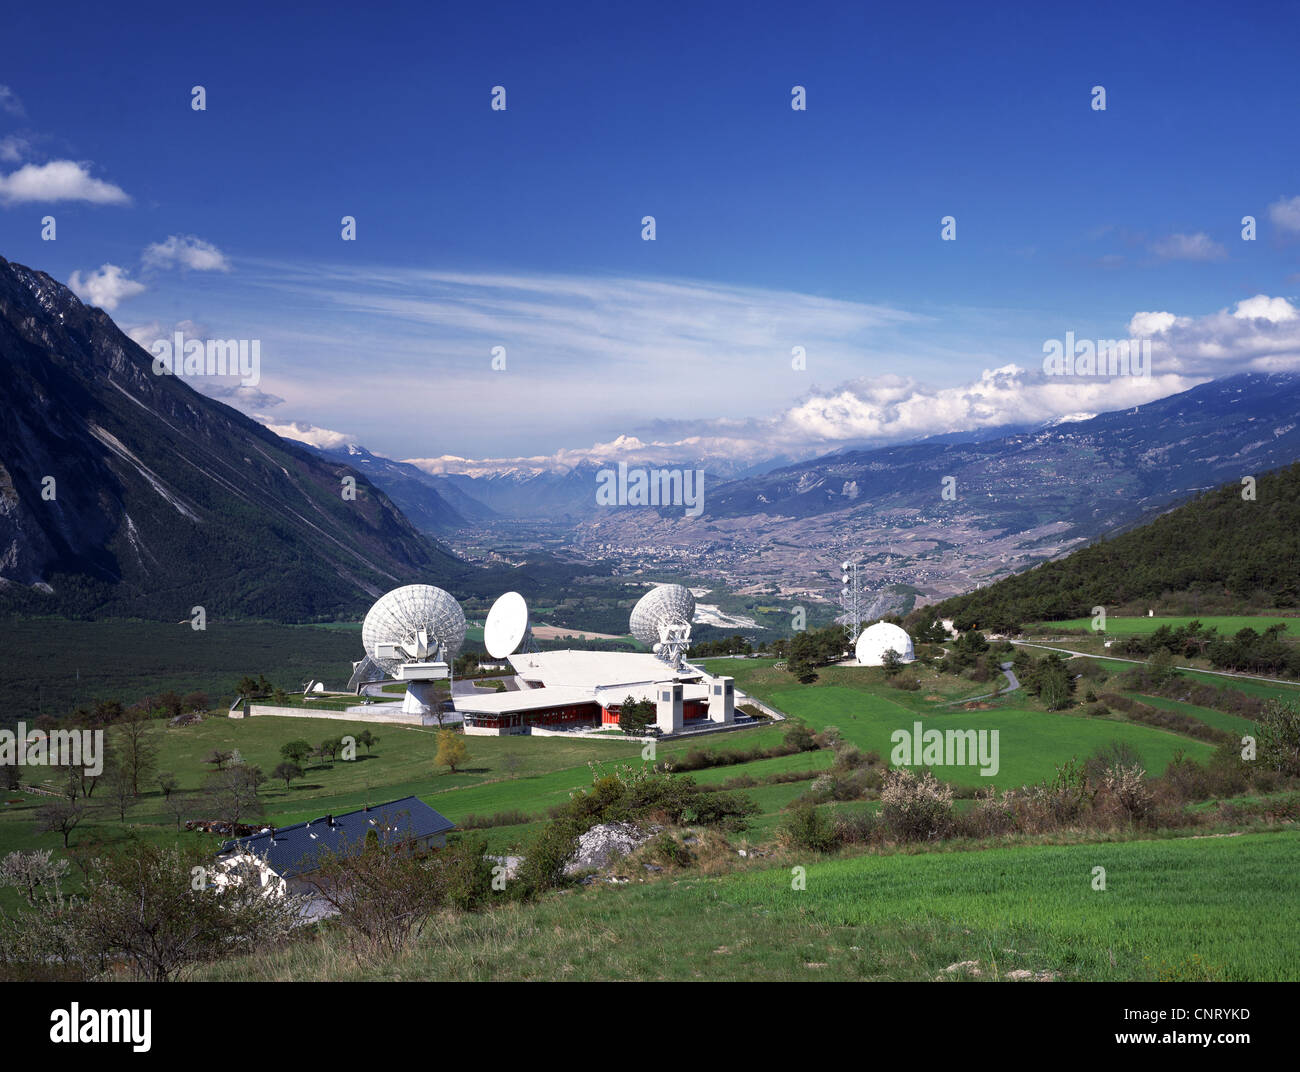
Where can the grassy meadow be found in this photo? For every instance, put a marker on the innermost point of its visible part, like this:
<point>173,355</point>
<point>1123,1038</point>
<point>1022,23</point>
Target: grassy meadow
<point>1226,624</point>
<point>1174,909</point>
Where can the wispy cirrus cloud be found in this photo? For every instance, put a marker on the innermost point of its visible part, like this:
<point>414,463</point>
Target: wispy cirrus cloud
<point>13,148</point>
<point>679,369</point>
<point>185,252</point>
<point>1258,334</point>
<point>1285,214</point>
<point>1188,247</point>
<point>9,102</point>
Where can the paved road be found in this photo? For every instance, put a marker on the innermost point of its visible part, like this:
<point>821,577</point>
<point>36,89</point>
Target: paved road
<point>1012,685</point>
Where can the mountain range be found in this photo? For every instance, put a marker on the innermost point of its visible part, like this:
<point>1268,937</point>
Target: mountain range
<point>937,517</point>
<point>127,492</point>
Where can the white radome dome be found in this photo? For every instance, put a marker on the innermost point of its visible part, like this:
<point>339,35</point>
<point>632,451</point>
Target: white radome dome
<point>880,638</point>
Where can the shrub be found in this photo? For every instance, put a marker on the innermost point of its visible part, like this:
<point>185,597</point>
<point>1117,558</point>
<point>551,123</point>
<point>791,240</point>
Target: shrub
<point>993,814</point>
<point>857,828</point>
<point>1278,737</point>
<point>1127,789</point>
<point>669,851</point>
<point>915,809</point>
<point>543,867</point>
<point>798,737</point>
<point>500,818</point>
<point>807,828</point>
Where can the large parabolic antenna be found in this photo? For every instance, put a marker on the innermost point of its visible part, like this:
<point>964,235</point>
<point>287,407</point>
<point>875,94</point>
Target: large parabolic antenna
<point>412,634</point>
<point>662,619</point>
<point>507,625</point>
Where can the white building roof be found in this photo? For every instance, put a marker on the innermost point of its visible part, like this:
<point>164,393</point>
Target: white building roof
<point>500,703</point>
<point>617,694</point>
<point>596,669</point>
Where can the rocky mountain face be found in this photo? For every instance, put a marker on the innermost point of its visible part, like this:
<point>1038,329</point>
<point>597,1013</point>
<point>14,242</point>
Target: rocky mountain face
<point>127,492</point>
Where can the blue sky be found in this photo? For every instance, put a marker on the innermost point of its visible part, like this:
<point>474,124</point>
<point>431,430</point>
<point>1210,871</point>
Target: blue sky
<point>775,228</point>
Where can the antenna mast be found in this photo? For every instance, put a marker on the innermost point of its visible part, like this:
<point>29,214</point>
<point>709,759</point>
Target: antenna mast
<point>851,600</point>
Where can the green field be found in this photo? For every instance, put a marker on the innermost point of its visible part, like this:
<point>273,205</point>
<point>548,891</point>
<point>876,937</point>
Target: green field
<point>1175,907</point>
<point>1220,720</point>
<point>1227,625</point>
<point>1186,908</point>
<point>51,664</point>
<point>1031,743</point>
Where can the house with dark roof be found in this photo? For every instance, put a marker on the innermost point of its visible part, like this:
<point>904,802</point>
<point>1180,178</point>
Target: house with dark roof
<point>286,853</point>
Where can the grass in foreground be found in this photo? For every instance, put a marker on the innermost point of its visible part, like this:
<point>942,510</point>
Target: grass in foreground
<point>1187,908</point>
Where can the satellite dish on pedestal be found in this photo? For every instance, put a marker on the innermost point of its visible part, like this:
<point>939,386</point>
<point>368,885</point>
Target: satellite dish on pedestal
<point>662,619</point>
<point>412,634</point>
<point>507,625</point>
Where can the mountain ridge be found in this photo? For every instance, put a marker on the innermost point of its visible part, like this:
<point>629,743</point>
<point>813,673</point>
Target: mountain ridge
<point>163,498</point>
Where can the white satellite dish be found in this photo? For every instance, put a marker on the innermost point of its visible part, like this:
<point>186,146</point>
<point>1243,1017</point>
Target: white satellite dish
<point>413,624</point>
<point>507,625</point>
<point>411,634</point>
<point>662,619</point>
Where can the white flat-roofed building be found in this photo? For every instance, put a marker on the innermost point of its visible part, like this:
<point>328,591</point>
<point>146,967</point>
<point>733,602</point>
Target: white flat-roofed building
<point>586,689</point>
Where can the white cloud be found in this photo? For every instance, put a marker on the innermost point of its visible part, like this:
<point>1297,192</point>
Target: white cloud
<point>59,180</point>
<point>1188,247</point>
<point>692,371</point>
<point>107,287</point>
<point>1260,334</point>
<point>309,433</point>
<point>1285,213</point>
<point>13,148</point>
<point>895,407</point>
<point>239,395</point>
<point>10,103</point>
<point>1144,325</point>
<point>147,334</point>
<point>1262,307</point>
<point>185,251</point>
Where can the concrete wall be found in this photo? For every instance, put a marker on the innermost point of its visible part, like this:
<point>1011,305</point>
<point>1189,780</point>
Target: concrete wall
<point>369,713</point>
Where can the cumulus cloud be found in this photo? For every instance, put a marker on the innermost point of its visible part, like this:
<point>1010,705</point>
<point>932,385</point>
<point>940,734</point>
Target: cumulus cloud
<point>1260,334</point>
<point>107,287</point>
<point>10,103</point>
<point>1188,247</point>
<point>894,408</point>
<point>1285,214</point>
<point>1144,325</point>
<point>1262,307</point>
<point>185,251</point>
<point>59,180</point>
<point>323,438</point>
